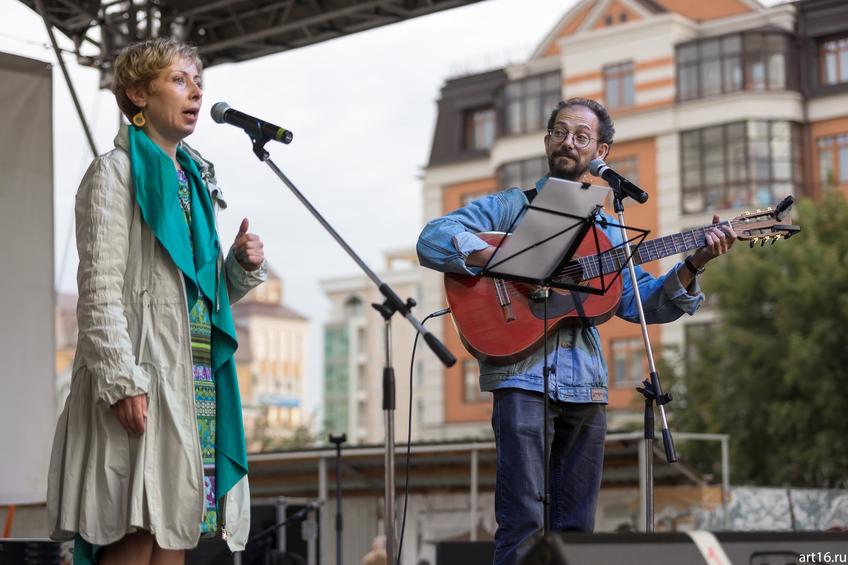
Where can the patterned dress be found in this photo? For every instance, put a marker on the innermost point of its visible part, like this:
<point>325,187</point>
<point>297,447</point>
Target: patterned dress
<point>204,383</point>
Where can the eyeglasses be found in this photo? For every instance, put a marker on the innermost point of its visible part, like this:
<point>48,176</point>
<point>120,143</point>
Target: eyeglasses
<point>581,140</point>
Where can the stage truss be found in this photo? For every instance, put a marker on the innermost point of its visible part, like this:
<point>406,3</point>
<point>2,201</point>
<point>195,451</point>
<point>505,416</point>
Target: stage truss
<point>225,31</point>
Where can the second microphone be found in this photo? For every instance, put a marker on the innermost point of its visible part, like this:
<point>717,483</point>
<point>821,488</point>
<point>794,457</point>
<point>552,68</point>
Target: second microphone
<point>222,113</point>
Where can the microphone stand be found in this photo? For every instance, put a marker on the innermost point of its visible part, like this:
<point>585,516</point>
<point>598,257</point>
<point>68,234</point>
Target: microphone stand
<point>543,294</point>
<point>393,303</point>
<point>338,441</point>
<point>651,388</point>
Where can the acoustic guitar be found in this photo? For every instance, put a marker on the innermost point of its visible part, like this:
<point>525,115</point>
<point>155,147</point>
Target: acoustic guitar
<point>499,323</point>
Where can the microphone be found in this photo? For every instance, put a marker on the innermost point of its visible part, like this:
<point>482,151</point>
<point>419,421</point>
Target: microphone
<point>600,169</point>
<point>222,113</point>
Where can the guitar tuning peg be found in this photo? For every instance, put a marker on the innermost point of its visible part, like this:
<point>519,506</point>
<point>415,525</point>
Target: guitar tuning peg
<point>759,211</point>
<point>774,239</point>
<point>746,213</point>
<point>768,209</point>
<point>763,241</point>
<point>753,241</point>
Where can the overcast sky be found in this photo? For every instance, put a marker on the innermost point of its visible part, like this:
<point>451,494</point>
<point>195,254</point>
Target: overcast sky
<point>362,109</point>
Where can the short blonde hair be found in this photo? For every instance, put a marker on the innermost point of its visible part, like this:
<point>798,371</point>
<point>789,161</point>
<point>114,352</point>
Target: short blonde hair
<point>139,63</point>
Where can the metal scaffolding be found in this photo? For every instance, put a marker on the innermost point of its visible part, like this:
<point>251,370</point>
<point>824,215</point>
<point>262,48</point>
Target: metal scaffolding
<point>225,31</point>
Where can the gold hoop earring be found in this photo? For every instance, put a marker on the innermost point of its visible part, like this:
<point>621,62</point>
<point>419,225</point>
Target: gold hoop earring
<point>138,119</point>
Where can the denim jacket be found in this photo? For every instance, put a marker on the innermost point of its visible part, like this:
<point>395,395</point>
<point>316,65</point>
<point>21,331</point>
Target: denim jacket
<point>575,353</point>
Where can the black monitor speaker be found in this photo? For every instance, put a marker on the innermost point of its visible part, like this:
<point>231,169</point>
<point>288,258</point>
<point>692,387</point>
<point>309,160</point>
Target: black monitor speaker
<point>29,552</point>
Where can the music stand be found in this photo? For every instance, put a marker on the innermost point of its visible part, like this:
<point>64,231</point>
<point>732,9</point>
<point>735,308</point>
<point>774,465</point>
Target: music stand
<point>547,234</point>
<point>541,251</point>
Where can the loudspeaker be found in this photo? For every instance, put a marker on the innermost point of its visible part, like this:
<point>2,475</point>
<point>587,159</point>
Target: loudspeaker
<point>742,548</point>
<point>30,552</point>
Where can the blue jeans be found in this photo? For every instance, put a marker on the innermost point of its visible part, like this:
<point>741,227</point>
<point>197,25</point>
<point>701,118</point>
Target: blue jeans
<point>576,432</point>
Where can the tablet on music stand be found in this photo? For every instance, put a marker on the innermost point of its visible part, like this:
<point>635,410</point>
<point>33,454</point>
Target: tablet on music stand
<point>548,232</point>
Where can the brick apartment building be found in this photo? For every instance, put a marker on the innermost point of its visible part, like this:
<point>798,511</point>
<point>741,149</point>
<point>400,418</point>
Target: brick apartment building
<point>719,107</point>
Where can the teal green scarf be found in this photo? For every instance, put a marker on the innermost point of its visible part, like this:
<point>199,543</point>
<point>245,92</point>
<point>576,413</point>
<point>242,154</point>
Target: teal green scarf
<point>156,189</point>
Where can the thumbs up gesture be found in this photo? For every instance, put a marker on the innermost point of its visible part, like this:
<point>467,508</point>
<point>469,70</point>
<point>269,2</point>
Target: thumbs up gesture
<point>247,248</point>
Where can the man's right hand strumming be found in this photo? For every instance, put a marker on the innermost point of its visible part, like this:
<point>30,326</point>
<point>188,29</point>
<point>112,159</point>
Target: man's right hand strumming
<point>480,258</point>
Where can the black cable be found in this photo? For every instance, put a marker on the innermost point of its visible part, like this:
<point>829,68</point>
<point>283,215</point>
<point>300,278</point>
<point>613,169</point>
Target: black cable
<point>435,314</point>
<point>298,516</point>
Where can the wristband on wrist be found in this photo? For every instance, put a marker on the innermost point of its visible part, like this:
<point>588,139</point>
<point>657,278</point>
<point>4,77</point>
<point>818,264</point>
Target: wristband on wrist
<point>691,266</point>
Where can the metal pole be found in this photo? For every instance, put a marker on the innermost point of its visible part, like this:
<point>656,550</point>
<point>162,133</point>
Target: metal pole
<point>643,485</point>
<point>322,479</point>
<point>474,479</point>
<point>648,469</point>
<point>311,531</point>
<point>725,480</point>
<point>281,516</point>
<point>39,4</point>
<point>389,409</point>
<point>339,517</point>
<point>338,441</point>
<point>322,494</point>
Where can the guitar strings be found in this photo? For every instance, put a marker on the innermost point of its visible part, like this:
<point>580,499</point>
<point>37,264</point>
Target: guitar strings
<point>575,270</point>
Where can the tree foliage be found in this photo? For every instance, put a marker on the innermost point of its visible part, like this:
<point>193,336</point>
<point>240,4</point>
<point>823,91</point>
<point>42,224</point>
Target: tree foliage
<point>773,370</point>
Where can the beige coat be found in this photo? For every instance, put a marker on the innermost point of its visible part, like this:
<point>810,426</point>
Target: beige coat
<point>133,339</point>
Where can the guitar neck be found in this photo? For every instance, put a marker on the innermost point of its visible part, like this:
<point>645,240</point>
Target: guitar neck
<point>651,250</point>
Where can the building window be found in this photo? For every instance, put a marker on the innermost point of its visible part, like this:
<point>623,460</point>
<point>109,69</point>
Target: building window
<point>470,383</point>
<point>693,336</point>
<point>362,416</point>
<point>833,61</point>
<point>832,160</point>
<point>628,167</point>
<point>739,164</point>
<point>765,61</point>
<point>470,197</point>
<point>522,174</point>
<point>628,356</point>
<point>530,101</point>
<point>619,89</point>
<point>353,307</point>
<point>479,128</point>
<point>719,65</point>
<point>361,378</point>
<point>274,345</point>
<point>361,339</point>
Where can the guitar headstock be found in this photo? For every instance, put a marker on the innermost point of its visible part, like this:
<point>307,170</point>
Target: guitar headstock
<point>762,226</point>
